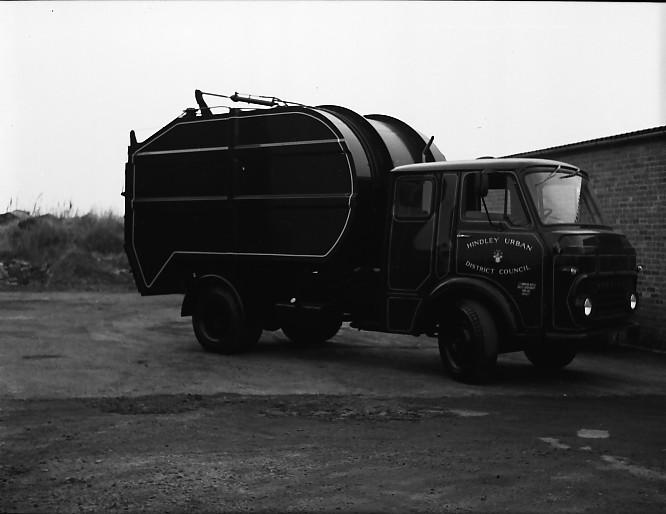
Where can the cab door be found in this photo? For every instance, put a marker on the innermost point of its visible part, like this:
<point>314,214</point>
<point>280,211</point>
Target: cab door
<point>411,243</point>
<point>497,243</point>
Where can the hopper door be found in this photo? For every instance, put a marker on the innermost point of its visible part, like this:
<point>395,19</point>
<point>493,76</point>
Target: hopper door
<point>180,198</point>
<point>292,185</point>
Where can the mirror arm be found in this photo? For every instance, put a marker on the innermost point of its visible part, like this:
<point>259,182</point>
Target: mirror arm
<point>483,184</point>
<point>499,225</point>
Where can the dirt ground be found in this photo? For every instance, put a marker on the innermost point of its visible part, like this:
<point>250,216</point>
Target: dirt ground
<point>108,404</point>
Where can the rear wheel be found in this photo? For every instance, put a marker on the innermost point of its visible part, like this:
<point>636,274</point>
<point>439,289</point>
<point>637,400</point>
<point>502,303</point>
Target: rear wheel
<point>550,356</point>
<point>312,333</point>
<point>468,343</point>
<point>218,322</point>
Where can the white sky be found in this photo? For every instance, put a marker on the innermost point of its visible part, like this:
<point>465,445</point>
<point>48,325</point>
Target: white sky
<point>483,78</point>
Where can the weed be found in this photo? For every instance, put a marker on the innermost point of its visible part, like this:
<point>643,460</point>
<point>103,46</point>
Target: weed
<point>63,250</point>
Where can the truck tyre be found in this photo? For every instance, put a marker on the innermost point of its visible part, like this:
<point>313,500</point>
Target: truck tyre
<point>468,343</point>
<point>218,322</point>
<point>304,334</point>
<point>550,357</point>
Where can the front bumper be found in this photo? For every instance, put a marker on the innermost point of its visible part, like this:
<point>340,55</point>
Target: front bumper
<point>628,330</point>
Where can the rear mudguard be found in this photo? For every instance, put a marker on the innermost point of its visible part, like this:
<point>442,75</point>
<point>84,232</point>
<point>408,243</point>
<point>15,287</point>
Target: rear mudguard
<point>206,281</point>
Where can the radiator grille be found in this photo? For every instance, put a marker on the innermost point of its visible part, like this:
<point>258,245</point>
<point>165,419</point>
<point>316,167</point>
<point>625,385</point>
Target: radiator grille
<point>610,295</point>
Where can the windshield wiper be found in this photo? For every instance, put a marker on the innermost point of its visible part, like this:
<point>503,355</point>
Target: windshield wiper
<point>571,173</point>
<point>552,174</point>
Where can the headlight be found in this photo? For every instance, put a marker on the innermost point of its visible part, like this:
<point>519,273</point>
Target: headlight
<point>587,306</point>
<point>633,301</point>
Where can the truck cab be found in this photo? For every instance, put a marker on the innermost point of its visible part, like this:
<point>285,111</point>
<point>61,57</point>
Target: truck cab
<point>498,255</point>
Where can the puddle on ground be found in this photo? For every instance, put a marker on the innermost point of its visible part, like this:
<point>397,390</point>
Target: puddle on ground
<point>555,443</point>
<point>467,413</point>
<point>621,464</point>
<point>588,433</point>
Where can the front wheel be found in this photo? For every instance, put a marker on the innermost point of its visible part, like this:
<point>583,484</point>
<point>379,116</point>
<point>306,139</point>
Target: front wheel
<point>468,342</point>
<point>549,356</point>
<point>218,322</point>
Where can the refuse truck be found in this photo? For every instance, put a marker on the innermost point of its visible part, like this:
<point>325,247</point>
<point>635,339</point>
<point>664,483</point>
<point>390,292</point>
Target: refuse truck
<point>284,216</point>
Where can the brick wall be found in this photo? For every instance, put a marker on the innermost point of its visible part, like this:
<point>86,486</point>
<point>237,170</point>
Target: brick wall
<point>629,178</point>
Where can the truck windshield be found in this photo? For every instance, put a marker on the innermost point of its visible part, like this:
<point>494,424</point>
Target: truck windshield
<point>563,196</point>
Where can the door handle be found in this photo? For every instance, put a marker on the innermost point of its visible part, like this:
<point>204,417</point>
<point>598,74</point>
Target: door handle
<point>461,236</point>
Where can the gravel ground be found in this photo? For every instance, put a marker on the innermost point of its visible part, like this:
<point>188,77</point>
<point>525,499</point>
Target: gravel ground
<point>107,404</point>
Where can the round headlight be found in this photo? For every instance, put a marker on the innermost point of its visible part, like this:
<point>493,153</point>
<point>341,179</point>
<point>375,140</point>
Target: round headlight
<point>633,301</point>
<point>587,306</point>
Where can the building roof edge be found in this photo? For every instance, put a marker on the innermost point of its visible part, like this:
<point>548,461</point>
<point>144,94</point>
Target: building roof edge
<point>584,145</point>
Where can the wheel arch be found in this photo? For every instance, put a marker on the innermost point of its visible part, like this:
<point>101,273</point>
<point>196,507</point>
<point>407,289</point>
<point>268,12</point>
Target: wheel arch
<point>202,282</point>
<point>450,291</point>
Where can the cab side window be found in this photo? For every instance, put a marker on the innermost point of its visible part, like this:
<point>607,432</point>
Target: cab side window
<point>503,200</point>
<point>413,198</point>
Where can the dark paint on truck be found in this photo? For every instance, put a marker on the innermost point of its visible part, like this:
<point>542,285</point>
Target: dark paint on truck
<point>301,218</point>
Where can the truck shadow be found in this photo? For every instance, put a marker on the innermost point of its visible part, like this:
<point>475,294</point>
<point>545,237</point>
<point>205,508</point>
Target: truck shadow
<point>403,357</point>
<point>510,372</point>
<point>419,358</point>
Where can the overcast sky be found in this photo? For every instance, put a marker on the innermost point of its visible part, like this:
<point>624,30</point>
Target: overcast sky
<point>483,78</point>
